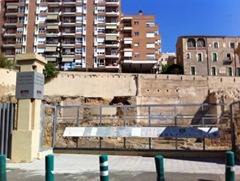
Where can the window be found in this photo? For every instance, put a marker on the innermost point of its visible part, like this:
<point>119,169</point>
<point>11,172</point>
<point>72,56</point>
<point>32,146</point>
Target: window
<point>213,71</point>
<point>229,71</point>
<point>78,40</point>
<point>150,24</point>
<point>188,55</point>
<point>150,45</point>
<point>136,33</point>
<point>136,44</point>
<point>78,51</point>
<point>21,9</point>
<point>201,42</point>
<point>136,22</point>
<point>232,45</point>
<point>215,45</point>
<point>136,55</point>
<point>238,72</point>
<point>214,57</point>
<point>150,34</point>
<point>199,57</point>
<point>191,43</point>
<point>228,56</point>
<point>78,29</point>
<point>150,56</point>
<point>193,71</point>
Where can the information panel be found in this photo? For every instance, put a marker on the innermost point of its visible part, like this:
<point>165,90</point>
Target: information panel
<point>30,85</point>
<point>143,132</point>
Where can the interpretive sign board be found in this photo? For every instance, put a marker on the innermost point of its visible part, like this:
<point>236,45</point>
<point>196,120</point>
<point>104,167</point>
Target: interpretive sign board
<point>143,132</point>
<point>29,85</point>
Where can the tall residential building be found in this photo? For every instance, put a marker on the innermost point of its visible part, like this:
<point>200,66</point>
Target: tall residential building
<point>208,55</point>
<point>140,43</point>
<point>79,34</point>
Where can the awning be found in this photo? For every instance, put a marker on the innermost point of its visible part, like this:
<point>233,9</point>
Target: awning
<point>12,7</point>
<point>111,27</point>
<point>67,59</point>
<point>51,59</point>
<point>52,17</point>
<point>111,37</point>
<point>50,49</point>
<point>52,27</point>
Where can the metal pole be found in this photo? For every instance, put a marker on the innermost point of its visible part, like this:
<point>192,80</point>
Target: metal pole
<point>230,168</point>
<point>159,167</point>
<point>103,159</point>
<point>124,120</point>
<point>149,124</point>
<point>49,167</point>
<point>3,175</point>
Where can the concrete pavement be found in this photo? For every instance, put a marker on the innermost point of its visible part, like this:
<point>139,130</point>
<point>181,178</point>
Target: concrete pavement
<point>86,167</point>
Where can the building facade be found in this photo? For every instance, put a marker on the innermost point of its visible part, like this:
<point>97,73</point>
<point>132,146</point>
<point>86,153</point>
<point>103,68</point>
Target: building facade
<point>208,55</point>
<point>140,43</point>
<point>75,34</point>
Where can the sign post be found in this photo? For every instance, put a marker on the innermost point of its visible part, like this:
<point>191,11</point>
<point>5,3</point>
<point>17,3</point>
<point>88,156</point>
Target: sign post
<point>29,92</point>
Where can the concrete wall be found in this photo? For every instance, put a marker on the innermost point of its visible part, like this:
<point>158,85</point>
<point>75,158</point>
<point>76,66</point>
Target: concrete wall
<point>7,82</point>
<point>147,88</point>
<point>92,85</point>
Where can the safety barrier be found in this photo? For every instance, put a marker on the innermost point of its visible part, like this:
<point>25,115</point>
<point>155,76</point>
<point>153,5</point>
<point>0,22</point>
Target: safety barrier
<point>103,165</point>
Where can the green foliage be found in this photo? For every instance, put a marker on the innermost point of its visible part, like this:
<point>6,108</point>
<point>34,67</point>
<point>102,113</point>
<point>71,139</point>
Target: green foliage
<point>51,71</point>
<point>164,68</point>
<point>6,63</point>
<point>173,69</point>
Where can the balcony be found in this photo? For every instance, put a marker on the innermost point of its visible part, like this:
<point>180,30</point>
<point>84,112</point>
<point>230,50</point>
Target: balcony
<point>69,33</point>
<point>53,2</point>
<point>69,2</point>
<point>12,12</point>
<point>10,33</point>
<point>69,43</point>
<point>9,43</point>
<point>112,55</point>
<point>71,11</point>
<point>11,22</point>
<point>53,34</point>
<point>227,61</point>
<point>112,2</point>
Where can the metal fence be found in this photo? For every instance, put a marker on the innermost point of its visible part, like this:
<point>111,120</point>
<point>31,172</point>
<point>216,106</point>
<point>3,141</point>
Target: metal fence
<point>56,119</point>
<point>7,111</point>
<point>235,126</point>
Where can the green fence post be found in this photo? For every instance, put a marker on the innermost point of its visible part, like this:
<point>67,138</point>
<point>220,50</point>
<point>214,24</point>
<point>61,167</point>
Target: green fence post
<point>230,166</point>
<point>103,159</point>
<point>3,175</point>
<point>49,167</point>
<point>159,168</point>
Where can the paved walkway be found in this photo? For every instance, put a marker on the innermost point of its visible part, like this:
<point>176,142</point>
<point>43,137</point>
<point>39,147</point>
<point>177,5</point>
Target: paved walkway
<point>86,167</point>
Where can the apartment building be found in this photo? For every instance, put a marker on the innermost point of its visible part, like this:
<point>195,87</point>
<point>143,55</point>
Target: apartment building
<point>140,43</point>
<point>75,34</point>
<point>208,55</point>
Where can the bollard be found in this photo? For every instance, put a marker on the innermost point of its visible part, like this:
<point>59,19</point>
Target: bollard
<point>49,167</point>
<point>3,175</point>
<point>159,168</point>
<point>230,166</point>
<point>103,159</point>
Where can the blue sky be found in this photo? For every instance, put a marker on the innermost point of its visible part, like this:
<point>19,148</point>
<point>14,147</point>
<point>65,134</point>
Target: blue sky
<point>188,17</point>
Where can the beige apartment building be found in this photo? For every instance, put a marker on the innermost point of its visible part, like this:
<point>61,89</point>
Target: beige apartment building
<point>208,55</point>
<point>82,35</point>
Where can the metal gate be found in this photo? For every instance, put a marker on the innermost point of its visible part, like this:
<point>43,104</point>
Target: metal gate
<point>7,111</point>
<point>56,120</point>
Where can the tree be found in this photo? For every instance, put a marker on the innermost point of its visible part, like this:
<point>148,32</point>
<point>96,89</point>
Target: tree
<point>173,69</point>
<point>50,71</point>
<point>6,63</point>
